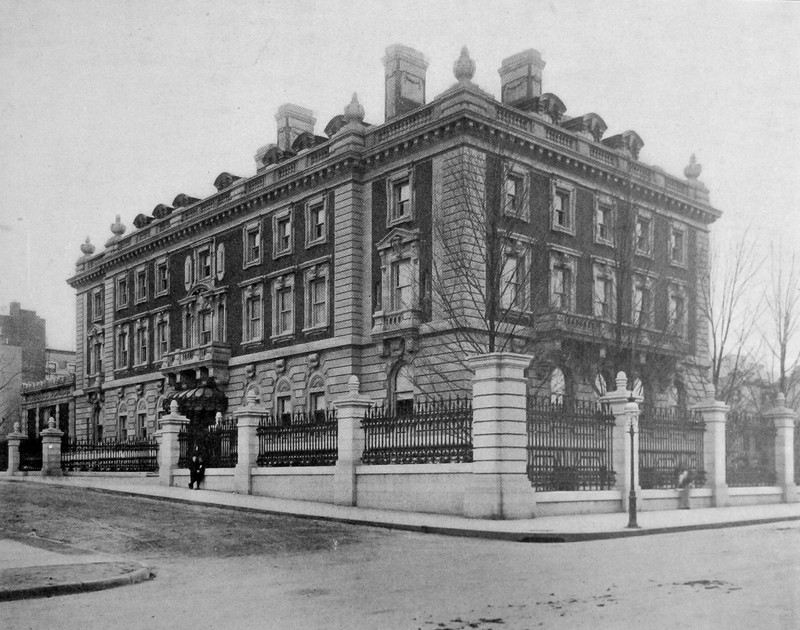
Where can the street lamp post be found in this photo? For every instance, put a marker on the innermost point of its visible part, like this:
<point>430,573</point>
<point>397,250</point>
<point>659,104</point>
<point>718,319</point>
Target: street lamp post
<point>632,523</point>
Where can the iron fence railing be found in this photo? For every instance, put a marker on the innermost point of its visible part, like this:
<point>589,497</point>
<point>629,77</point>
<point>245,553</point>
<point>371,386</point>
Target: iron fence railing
<point>110,455</point>
<point>570,444</point>
<point>797,453</point>
<point>670,440</point>
<point>3,455</point>
<point>216,444</point>
<point>30,454</point>
<point>429,432</point>
<point>749,450</point>
<point>298,439</point>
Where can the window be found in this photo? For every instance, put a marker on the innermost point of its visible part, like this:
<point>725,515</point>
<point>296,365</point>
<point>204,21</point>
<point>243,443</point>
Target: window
<point>283,409</point>
<point>317,406</point>
<point>317,297</point>
<point>95,359</point>
<point>141,342</point>
<point>252,244</point>
<point>204,264</point>
<point>141,425</point>
<point>141,284</point>
<point>515,196</point>
<point>562,217</point>
<point>604,283</point>
<point>644,235</point>
<point>123,427</point>
<point>400,290</point>
<point>188,278</point>
<point>189,330</point>
<point>558,386</point>
<point>122,346</point>
<point>253,313</point>
<point>161,345</point>
<point>603,220</point>
<point>316,221</point>
<point>510,283</point>
<point>162,277</point>
<point>122,291</point>
<point>562,288</point>
<point>677,246</point>
<point>205,326</point>
<point>403,391</point>
<point>97,305</point>
<point>222,329</point>
<point>677,310</point>
<point>283,311</point>
<point>642,302</point>
<point>401,200</point>
<point>282,227</point>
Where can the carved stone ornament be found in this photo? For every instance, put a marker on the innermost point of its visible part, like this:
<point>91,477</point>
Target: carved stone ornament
<point>464,67</point>
<point>693,170</point>
<point>280,366</point>
<point>283,386</point>
<point>118,228</point>
<point>313,360</point>
<point>139,390</point>
<point>250,371</point>
<point>87,248</point>
<point>354,111</point>
<point>397,244</point>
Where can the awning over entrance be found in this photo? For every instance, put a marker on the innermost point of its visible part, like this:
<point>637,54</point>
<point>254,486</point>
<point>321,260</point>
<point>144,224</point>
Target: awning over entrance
<point>204,398</point>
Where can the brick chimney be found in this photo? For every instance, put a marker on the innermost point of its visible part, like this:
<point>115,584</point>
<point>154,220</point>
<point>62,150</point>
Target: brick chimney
<point>292,121</point>
<point>521,78</point>
<point>405,79</point>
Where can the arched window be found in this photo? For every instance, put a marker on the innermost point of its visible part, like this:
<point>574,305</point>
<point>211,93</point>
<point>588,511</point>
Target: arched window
<point>403,390</point>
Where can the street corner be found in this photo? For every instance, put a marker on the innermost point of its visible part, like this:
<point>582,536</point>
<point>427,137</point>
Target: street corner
<point>63,579</point>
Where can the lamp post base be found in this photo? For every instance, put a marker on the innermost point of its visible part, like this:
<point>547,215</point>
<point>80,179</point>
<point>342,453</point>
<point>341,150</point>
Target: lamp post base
<point>632,523</point>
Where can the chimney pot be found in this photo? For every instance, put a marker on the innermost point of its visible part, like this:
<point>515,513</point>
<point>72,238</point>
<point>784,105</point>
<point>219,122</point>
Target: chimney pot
<point>405,70</point>
<point>521,77</point>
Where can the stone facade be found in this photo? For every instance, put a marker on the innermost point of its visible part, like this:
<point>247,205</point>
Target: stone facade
<point>335,259</point>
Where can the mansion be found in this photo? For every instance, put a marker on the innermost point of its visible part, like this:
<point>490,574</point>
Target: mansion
<point>460,225</point>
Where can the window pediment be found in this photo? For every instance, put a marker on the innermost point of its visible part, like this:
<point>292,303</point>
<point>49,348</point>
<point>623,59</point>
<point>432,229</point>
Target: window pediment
<point>397,238</point>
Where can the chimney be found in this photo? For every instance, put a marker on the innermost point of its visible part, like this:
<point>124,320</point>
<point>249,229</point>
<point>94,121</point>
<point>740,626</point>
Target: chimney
<point>521,78</point>
<point>405,79</point>
<point>292,121</point>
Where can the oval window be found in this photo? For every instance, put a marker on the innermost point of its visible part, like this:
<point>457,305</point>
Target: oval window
<point>220,261</point>
<point>187,272</point>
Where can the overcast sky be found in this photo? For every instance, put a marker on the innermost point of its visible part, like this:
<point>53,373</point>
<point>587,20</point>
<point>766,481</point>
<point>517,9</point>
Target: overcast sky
<point>112,107</point>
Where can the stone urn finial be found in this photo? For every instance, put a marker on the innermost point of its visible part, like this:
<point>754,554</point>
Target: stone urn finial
<point>17,427</point>
<point>621,381</point>
<point>218,418</point>
<point>780,400</point>
<point>353,385</point>
<point>693,170</point>
<point>251,398</point>
<point>117,228</point>
<point>354,112</point>
<point>464,67</point>
<point>173,408</point>
<point>51,423</point>
<point>87,248</point>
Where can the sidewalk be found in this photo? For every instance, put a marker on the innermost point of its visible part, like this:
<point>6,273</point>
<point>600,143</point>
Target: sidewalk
<point>35,567</point>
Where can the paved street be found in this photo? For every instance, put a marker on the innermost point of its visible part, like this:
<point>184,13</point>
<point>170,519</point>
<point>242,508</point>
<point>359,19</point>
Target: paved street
<point>218,568</point>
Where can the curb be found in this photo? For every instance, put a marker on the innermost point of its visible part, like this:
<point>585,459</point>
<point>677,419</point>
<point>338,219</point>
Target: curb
<point>81,586</point>
<point>521,537</point>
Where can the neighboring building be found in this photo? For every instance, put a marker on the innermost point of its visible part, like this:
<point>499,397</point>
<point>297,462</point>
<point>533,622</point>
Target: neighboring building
<point>333,260</point>
<point>22,359</point>
<point>52,397</point>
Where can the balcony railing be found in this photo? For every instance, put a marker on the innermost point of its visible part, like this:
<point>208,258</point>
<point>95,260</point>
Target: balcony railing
<point>396,321</point>
<point>211,355</point>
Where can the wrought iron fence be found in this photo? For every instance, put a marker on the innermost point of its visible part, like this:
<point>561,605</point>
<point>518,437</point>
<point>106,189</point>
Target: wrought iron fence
<point>298,439</point>
<point>110,455</point>
<point>670,440</point>
<point>796,452</point>
<point>216,444</point>
<point>749,450</point>
<point>570,444</point>
<point>30,454</point>
<point>3,454</point>
<point>431,432</point>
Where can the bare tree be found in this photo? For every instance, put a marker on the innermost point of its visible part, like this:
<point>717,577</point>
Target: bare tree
<point>731,320</point>
<point>782,303</point>
<point>10,382</point>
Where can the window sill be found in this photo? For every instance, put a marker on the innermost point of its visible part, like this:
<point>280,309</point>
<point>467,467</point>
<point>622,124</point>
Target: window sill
<point>161,293</point>
<point>316,329</point>
<point>314,243</point>
<point>286,336</point>
<point>252,342</point>
<point>603,241</point>
<point>562,229</point>
<point>391,222</point>
<point>678,264</point>
<point>281,254</point>
<point>251,263</point>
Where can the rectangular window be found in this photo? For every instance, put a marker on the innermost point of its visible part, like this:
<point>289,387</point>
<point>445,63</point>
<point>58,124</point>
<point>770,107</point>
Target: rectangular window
<point>677,313</point>
<point>252,244</point>
<point>142,425</point>
<point>221,333</point>
<point>284,310</point>
<point>283,234</point>
<point>97,305</point>
<point>205,327</point>
<point>204,263</point>
<point>123,428</point>
<point>509,288</point>
<point>141,284</point>
<point>514,194</point>
<point>253,316</point>
<point>122,292</point>
<point>641,302</point>
<point>562,218</point>
<point>316,221</point>
<point>141,345</point>
<point>400,296</point>
<point>401,200</point>
<point>677,246</point>
<point>162,277</point>
<point>161,346</point>
<point>604,216</point>
<point>603,297</point>
<point>643,235</point>
<point>562,288</point>
<point>122,347</point>
<point>318,302</point>
<point>317,406</point>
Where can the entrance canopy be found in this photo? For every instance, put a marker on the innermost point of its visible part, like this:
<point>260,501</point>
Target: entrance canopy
<point>204,398</point>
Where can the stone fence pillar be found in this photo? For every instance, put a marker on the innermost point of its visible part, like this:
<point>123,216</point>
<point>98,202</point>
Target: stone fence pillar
<point>350,410</point>
<point>714,413</point>
<point>784,419</point>
<point>499,487</point>
<point>14,440</point>
<point>247,421</point>
<point>51,450</point>
<point>624,415</point>
<point>169,449</point>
